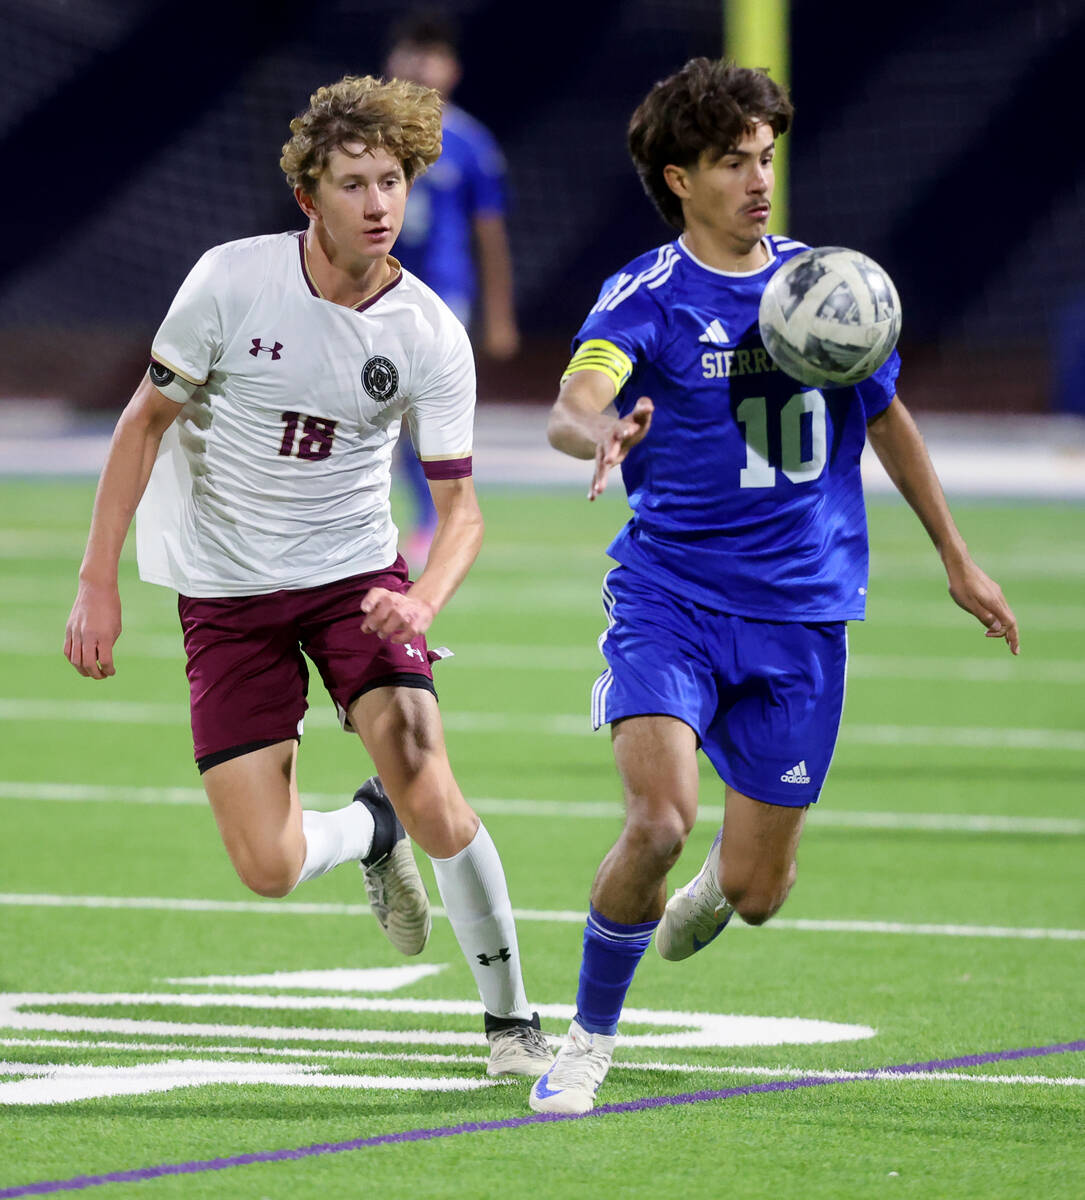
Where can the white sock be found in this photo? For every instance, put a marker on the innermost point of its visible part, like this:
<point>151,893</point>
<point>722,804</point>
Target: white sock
<point>476,899</point>
<point>336,837</point>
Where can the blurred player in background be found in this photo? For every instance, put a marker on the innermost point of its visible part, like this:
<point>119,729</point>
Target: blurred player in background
<point>454,236</point>
<point>740,566</point>
<point>278,383</point>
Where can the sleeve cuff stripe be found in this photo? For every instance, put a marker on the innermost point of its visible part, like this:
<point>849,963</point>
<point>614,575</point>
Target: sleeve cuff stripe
<point>177,370</point>
<point>447,468</point>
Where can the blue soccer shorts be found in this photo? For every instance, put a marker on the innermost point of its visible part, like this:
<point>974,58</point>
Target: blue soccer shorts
<point>764,697</point>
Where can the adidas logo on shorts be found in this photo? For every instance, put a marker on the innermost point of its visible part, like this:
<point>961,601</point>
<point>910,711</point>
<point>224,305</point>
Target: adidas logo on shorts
<point>797,774</point>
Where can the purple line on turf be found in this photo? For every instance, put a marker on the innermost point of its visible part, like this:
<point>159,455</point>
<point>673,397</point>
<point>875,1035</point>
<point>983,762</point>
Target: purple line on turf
<point>79,1182</point>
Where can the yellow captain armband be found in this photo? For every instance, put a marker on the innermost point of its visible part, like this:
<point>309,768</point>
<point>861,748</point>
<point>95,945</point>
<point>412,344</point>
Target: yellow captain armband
<point>597,354</point>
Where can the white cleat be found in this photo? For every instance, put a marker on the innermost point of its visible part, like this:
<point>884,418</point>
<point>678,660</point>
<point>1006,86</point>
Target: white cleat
<point>580,1067</point>
<point>696,914</point>
<point>518,1049</point>
<point>397,895</point>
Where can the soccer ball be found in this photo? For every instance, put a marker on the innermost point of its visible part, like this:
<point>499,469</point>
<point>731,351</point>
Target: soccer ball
<point>829,317</point>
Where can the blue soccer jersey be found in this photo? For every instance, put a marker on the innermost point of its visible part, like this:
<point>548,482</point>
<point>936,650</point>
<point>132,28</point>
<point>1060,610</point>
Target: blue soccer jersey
<point>746,493</point>
<point>466,182</point>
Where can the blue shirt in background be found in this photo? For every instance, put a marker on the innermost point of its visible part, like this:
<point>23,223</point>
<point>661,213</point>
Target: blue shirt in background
<point>467,181</point>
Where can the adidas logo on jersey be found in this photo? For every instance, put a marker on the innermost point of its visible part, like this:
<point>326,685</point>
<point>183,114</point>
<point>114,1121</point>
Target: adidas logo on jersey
<point>714,334</point>
<point>797,774</point>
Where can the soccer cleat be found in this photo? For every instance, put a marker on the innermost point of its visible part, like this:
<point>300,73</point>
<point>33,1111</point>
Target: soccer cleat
<point>517,1047</point>
<point>569,1086</point>
<point>395,889</point>
<point>696,914</point>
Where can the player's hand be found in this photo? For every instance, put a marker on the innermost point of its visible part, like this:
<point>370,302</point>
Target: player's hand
<point>977,593</point>
<point>624,434</point>
<point>92,631</point>
<point>395,616</point>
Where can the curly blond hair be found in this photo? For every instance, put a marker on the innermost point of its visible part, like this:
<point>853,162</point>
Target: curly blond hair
<point>400,117</point>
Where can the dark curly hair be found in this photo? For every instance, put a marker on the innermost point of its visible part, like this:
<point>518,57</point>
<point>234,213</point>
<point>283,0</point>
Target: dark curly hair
<point>709,105</point>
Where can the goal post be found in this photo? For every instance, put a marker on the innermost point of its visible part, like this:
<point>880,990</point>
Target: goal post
<point>756,33</point>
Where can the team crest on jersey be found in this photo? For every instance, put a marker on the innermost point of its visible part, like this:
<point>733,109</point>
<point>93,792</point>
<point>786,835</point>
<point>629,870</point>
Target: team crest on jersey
<point>380,378</point>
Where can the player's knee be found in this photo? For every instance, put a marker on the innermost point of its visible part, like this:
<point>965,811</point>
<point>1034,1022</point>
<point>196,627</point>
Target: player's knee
<point>440,821</point>
<point>429,803</point>
<point>271,886</point>
<point>658,836</point>
<point>760,899</point>
<point>756,909</point>
<point>270,878</point>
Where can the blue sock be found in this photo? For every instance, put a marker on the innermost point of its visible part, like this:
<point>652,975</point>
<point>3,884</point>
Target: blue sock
<point>611,954</point>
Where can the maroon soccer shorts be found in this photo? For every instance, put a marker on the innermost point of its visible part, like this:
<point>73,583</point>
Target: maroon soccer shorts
<point>248,678</point>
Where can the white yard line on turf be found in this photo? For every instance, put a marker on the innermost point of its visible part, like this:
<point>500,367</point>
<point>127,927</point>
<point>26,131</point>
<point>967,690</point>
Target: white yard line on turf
<point>76,1043</point>
<point>316,1056</point>
<point>28,644</point>
<point>80,793</point>
<point>995,668</point>
<point>279,908</point>
<point>818,1073</point>
<point>135,712</point>
<point>41,543</point>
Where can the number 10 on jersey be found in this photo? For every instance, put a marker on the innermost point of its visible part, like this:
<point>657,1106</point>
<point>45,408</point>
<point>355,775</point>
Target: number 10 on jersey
<point>752,415</point>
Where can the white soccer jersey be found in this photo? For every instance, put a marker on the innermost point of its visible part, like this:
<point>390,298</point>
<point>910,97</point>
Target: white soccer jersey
<point>277,472</point>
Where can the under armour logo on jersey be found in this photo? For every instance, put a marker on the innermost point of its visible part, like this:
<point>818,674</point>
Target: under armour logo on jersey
<point>714,334</point>
<point>414,652</point>
<point>272,350</point>
<point>502,955</point>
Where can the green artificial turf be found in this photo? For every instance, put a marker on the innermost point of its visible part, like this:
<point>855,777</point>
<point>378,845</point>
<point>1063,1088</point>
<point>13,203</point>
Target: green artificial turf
<point>907,929</point>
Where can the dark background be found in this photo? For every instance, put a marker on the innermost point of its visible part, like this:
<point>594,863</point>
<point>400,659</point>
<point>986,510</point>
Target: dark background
<point>941,138</point>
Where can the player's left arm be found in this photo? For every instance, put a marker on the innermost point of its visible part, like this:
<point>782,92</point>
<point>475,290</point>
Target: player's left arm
<point>900,447</point>
<point>400,617</point>
<point>500,334</point>
<point>487,204</point>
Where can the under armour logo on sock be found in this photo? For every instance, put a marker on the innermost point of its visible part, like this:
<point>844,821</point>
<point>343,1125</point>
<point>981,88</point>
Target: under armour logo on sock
<point>502,955</point>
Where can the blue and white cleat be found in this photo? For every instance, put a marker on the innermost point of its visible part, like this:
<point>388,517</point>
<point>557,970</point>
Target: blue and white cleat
<point>697,913</point>
<point>569,1086</point>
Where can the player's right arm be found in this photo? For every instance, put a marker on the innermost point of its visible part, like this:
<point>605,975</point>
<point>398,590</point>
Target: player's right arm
<point>95,621</point>
<point>584,423</point>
